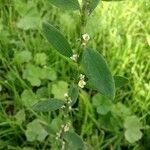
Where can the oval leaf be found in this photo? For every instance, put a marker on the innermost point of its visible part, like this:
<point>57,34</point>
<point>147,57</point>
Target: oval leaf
<point>48,105</point>
<point>97,71</point>
<point>93,4</point>
<point>120,81</point>
<point>66,4</point>
<point>73,93</point>
<point>74,139</point>
<point>57,40</point>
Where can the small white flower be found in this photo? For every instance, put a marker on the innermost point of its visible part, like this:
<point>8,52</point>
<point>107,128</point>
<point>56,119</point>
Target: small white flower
<point>66,128</point>
<point>86,37</point>
<point>82,77</point>
<point>70,108</point>
<point>74,57</point>
<point>81,84</point>
<point>62,107</point>
<point>66,95</point>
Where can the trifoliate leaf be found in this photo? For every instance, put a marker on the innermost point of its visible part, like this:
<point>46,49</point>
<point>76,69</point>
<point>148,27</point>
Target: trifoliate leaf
<point>35,131</point>
<point>103,105</point>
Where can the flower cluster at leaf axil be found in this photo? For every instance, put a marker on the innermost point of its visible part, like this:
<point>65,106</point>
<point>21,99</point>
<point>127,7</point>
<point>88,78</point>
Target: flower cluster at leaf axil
<point>74,57</point>
<point>82,83</point>
<point>85,38</point>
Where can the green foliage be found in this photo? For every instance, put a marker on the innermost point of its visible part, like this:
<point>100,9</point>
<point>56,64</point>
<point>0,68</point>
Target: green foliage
<point>40,59</point>
<point>35,131</point>
<point>28,98</point>
<point>66,4</point>
<point>93,4</point>
<point>59,89</point>
<point>30,17</point>
<point>74,140</point>
<point>73,93</point>
<point>22,57</point>
<point>120,81</point>
<point>103,105</point>
<point>132,125</point>
<point>97,71</point>
<point>57,40</point>
<point>48,105</point>
<point>34,74</point>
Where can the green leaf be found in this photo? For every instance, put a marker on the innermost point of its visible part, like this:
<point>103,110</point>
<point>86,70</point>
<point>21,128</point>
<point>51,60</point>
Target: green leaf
<point>132,125</point>
<point>32,74</point>
<point>28,98</point>
<point>35,131</point>
<point>66,4</point>
<point>57,40</point>
<point>22,57</point>
<point>93,4</point>
<point>74,139</point>
<point>102,104</point>
<point>98,73</point>
<point>31,20</point>
<point>20,116</point>
<point>73,93</point>
<point>133,135</point>
<point>40,59</point>
<point>132,122</point>
<point>59,89</point>
<point>120,81</point>
<point>48,105</point>
<point>48,73</point>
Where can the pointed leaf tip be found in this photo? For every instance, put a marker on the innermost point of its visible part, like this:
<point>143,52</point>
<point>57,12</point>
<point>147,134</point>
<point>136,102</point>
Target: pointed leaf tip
<point>57,40</point>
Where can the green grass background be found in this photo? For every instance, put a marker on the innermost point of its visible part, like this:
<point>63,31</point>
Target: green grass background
<point>118,30</point>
